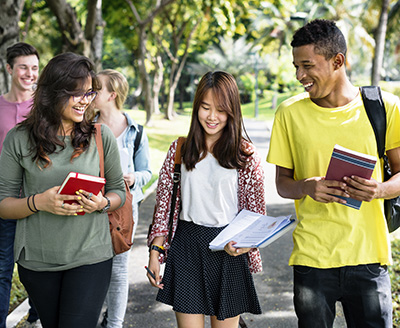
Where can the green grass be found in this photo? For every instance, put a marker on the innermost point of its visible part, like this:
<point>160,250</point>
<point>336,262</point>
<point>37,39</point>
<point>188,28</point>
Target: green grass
<point>265,108</point>
<point>161,133</point>
<point>394,272</point>
<point>18,293</point>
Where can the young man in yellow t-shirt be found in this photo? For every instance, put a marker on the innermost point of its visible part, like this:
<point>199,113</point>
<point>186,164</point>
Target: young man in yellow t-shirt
<point>340,253</point>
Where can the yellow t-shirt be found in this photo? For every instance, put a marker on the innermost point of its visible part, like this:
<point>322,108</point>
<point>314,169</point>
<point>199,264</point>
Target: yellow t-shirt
<point>302,139</point>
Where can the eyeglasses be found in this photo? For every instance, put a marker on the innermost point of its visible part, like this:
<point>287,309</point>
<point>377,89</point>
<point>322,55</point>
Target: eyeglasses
<point>88,95</point>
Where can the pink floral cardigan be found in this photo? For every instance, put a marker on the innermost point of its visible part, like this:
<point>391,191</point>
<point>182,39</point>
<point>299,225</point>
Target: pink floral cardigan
<point>251,196</point>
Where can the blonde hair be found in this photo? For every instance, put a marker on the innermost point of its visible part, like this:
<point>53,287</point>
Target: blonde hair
<point>117,83</point>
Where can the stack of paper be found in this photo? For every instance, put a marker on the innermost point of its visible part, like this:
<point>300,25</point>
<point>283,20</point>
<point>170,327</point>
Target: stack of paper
<point>249,229</point>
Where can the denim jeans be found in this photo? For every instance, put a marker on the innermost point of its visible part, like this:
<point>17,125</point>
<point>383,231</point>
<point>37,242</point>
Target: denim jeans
<point>363,290</point>
<point>7,234</point>
<point>117,296</point>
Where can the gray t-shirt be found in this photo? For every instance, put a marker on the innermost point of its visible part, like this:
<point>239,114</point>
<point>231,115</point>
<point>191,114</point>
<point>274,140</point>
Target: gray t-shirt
<point>49,242</point>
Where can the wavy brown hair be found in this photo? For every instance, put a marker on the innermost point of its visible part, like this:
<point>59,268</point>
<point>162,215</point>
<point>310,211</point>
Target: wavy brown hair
<point>228,149</point>
<point>64,76</point>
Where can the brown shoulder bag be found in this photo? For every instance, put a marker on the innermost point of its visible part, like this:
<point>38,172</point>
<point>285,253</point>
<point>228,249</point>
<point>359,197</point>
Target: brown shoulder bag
<point>121,219</point>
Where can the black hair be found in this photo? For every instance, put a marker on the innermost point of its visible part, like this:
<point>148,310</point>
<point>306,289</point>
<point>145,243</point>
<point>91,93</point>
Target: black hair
<point>326,37</point>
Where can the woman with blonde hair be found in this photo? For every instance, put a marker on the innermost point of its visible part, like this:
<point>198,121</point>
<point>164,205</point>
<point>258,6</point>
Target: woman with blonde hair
<point>136,169</point>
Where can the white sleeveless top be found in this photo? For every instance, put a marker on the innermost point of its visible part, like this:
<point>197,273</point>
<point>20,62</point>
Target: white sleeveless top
<point>209,193</point>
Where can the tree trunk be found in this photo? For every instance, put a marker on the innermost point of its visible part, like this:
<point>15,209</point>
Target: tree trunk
<point>144,76</point>
<point>169,113</point>
<point>71,30</point>
<point>174,77</point>
<point>94,31</point>
<point>158,80</point>
<point>88,42</point>
<point>142,28</point>
<point>10,15</point>
<point>380,35</point>
<point>24,33</point>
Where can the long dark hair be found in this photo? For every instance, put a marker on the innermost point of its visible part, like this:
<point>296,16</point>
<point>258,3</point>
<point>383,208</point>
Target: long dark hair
<point>228,149</point>
<point>64,76</point>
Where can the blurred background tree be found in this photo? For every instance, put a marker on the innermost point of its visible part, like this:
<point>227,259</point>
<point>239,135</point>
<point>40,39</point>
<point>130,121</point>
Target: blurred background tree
<point>164,46</point>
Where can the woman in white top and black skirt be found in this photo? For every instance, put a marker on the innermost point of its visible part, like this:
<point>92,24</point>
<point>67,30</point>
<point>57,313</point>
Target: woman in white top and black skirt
<point>221,175</point>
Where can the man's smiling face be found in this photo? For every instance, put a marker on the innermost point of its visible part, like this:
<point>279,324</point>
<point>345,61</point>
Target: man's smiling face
<point>24,72</point>
<point>314,71</point>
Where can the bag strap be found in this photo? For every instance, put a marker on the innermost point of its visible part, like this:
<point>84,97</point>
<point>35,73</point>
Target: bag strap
<point>99,144</point>
<point>137,140</point>
<point>176,180</point>
<point>375,108</point>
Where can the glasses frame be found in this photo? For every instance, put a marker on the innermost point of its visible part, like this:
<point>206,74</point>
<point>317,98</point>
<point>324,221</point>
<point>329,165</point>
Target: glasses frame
<point>90,96</point>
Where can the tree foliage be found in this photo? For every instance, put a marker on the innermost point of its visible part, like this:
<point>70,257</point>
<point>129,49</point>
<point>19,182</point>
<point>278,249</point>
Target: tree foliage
<point>153,41</point>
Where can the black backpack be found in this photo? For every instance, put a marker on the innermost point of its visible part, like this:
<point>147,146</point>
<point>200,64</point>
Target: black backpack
<point>376,112</point>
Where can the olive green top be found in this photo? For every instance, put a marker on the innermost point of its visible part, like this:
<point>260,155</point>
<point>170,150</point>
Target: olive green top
<point>49,242</point>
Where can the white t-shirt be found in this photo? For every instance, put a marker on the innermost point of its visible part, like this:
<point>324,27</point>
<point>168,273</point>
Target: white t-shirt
<point>209,193</point>
<point>125,158</point>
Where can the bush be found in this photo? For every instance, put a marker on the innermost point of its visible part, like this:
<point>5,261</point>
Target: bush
<point>394,272</point>
<point>18,293</point>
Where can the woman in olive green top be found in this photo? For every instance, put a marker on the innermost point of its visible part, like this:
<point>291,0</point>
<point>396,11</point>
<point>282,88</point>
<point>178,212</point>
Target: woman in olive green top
<point>64,259</point>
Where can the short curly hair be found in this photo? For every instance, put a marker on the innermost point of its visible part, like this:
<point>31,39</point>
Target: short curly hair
<point>326,37</point>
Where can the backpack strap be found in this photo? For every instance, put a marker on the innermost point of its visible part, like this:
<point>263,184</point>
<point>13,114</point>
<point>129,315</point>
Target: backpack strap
<point>137,140</point>
<point>176,180</point>
<point>375,108</point>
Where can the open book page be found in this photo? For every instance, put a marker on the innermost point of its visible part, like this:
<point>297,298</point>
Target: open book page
<point>249,229</point>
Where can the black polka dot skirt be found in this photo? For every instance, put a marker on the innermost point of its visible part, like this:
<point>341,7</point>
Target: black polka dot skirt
<point>199,281</point>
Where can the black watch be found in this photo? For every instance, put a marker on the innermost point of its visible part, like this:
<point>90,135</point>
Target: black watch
<point>105,208</point>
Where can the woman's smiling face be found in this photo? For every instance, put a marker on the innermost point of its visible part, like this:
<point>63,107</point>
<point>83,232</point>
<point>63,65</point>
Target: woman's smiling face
<point>75,109</point>
<point>212,118</point>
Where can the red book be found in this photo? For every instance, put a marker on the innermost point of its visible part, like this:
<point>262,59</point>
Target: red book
<point>76,181</point>
<point>345,163</point>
